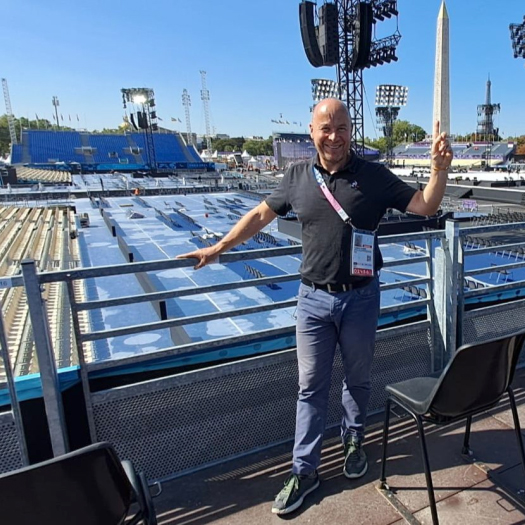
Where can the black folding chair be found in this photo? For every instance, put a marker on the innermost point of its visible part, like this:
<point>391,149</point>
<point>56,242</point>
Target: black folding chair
<point>86,487</point>
<point>474,380</point>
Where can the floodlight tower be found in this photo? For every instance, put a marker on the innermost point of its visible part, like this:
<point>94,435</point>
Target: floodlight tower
<point>205,97</point>
<point>186,102</point>
<point>56,103</point>
<point>517,36</point>
<point>9,112</point>
<point>322,88</point>
<point>389,100</point>
<point>344,38</point>
<point>143,103</point>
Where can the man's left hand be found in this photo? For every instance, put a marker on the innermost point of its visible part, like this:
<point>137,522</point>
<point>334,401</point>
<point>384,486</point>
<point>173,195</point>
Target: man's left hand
<point>441,150</point>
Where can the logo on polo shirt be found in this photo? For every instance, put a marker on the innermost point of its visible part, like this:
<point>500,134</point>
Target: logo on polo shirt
<point>354,185</point>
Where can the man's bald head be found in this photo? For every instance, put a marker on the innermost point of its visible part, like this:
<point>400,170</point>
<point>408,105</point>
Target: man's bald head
<point>331,130</point>
<point>330,106</point>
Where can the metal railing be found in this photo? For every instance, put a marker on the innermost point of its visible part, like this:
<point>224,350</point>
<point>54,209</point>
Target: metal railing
<point>14,451</point>
<point>443,306</point>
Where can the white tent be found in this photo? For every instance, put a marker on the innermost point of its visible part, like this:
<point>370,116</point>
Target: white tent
<point>245,155</point>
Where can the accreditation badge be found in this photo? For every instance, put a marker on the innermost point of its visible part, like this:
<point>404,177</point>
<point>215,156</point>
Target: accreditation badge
<point>362,253</point>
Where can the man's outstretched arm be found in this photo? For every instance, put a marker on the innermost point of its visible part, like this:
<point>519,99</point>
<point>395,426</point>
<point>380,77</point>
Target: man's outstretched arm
<point>251,223</point>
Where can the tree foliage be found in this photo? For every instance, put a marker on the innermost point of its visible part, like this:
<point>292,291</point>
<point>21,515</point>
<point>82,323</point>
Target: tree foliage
<point>239,144</point>
<point>403,131</point>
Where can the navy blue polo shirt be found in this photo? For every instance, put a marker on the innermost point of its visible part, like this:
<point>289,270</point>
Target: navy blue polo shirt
<point>364,190</point>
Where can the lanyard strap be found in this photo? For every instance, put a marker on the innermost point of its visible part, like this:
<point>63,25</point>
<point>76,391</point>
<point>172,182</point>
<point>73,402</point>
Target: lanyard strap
<point>329,197</point>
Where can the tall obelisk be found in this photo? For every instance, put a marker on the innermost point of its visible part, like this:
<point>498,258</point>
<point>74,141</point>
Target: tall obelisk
<point>441,76</point>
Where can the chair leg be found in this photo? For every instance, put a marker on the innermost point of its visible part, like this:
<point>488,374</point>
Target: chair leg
<point>426,465</point>
<point>382,480</point>
<point>150,518</point>
<point>517,427</point>
<point>466,440</point>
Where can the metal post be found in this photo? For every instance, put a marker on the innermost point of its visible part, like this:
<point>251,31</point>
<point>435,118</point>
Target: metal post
<point>449,288</point>
<point>15,407</point>
<point>81,361</point>
<point>435,337</point>
<point>46,359</point>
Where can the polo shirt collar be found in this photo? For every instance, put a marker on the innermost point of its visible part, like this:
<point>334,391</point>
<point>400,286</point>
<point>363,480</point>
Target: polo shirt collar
<point>351,166</point>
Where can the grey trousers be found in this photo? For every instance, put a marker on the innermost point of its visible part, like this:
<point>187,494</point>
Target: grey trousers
<point>326,321</point>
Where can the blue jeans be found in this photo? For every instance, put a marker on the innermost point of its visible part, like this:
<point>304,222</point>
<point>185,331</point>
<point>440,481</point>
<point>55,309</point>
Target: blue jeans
<point>325,321</point>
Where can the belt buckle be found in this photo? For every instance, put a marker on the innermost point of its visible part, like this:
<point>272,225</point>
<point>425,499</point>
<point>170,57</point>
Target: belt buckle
<point>329,288</point>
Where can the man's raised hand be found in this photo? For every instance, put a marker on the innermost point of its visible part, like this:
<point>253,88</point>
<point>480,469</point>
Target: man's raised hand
<point>441,150</point>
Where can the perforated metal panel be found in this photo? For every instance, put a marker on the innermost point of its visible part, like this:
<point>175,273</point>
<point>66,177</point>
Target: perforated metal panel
<point>10,456</point>
<point>494,321</point>
<point>176,424</point>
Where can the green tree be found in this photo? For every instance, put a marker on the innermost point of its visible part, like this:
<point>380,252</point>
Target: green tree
<point>404,131</point>
<point>229,145</point>
<point>379,143</point>
<point>259,147</point>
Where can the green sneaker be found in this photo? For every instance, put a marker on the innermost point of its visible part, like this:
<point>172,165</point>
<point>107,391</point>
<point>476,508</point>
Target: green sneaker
<point>356,463</point>
<point>292,495</point>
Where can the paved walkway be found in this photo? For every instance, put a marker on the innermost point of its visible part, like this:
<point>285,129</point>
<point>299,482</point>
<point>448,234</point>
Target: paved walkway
<point>240,492</point>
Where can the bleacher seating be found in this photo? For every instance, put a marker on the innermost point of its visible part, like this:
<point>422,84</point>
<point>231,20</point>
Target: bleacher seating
<point>24,174</point>
<point>42,234</point>
<point>106,145</point>
<point>16,154</point>
<point>49,147</point>
<point>57,146</point>
<point>418,154</point>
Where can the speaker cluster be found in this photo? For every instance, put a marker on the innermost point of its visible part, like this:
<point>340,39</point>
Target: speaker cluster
<point>321,42</point>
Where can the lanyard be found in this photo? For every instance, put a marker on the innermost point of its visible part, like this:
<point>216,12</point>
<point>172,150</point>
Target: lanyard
<point>329,197</point>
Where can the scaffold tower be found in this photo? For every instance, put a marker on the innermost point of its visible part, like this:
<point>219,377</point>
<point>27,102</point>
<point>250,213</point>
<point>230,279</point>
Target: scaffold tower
<point>186,102</point>
<point>9,113</point>
<point>205,97</point>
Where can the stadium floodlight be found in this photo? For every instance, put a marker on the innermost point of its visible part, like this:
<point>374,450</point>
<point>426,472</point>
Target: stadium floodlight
<point>138,96</point>
<point>390,95</point>
<point>139,99</point>
<point>143,117</point>
<point>323,88</point>
<point>517,36</point>
<point>389,99</point>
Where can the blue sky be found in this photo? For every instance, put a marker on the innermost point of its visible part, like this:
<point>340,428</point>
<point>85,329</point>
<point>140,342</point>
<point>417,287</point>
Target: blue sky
<point>85,52</point>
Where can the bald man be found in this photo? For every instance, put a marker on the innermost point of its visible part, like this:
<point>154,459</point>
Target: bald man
<point>339,200</point>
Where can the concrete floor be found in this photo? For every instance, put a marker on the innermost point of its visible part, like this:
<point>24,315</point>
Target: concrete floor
<point>485,491</point>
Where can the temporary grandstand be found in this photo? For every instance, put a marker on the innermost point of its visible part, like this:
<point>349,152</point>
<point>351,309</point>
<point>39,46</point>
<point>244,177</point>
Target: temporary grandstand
<point>103,152</point>
<point>48,236</point>
<point>470,155</point>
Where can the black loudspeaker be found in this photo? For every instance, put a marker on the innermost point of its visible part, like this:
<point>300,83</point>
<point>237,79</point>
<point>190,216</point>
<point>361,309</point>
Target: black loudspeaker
<point>328,37</point>
<point>362,35</point>
<point>143,121</point>
<point>309,34</point>
<point>132,118</point>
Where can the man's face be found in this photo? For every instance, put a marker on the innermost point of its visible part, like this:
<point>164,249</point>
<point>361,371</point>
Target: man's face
<point>331,130</point>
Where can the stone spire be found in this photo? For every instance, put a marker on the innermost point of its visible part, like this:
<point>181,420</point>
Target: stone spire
<point>441,76</point>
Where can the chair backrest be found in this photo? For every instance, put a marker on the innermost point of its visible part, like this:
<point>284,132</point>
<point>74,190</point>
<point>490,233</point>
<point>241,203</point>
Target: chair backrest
<point>476,377</point>
<point>85,487</point>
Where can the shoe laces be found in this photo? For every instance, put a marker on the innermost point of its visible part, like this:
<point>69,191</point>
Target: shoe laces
<point>291,484</point>
<point>352,453</point>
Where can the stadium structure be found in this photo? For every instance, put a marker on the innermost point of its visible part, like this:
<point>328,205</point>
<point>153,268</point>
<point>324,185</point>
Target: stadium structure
<point>106,337</point>
<point>92,153</point>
